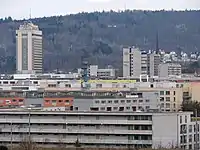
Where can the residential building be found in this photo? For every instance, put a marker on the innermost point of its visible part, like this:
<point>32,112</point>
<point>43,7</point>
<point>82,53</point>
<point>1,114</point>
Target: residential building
<point>154,60</point>
<point>169,69</point>
<point>29,49</point>
<point>131,62</point>
<point>144,63</point>
<point>100,129</point>
<point>136,63</point>
<point>171,98</point>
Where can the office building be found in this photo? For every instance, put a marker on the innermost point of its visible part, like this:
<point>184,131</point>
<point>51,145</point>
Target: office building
<point>169,69</point>
<point>95,72</point>
<point>100,129</point>
<point>132,62</point>
<point>29,49</point>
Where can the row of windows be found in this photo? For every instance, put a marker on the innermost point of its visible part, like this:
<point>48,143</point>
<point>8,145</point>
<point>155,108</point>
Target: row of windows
<point>167,93</point>
<point>133,108</point>
<point>121,101</point>
<point>55,101</point>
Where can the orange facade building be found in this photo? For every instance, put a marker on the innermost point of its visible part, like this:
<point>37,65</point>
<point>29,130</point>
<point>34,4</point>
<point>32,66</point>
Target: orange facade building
<point>11,101</point>
<point>58,102</point>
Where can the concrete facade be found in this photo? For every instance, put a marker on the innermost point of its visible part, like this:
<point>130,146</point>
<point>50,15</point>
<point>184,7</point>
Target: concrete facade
<point>169,69</point>
<point>99,129</point>
<point>29,49</point>
<point>153,62</point>
<point>131,62</point>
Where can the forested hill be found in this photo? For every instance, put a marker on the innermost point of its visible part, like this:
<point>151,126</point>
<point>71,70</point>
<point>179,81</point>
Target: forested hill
<point>101,36</point>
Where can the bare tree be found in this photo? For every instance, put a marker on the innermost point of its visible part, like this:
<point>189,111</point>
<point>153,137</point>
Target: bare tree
<point>27,145</point>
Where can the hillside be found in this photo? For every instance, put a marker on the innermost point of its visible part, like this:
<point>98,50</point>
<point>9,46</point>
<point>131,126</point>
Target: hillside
<point>101,36</point>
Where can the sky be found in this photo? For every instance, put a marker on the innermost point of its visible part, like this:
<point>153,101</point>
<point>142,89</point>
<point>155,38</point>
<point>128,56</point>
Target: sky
<point>20,9</point>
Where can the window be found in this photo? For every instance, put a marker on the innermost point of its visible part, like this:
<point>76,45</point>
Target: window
<point>185,119</point>
<point>60,101</point>
<point>115,108</point>
<point>140,101</point>
<point>162,99</point>
<point>109,101</point>
<point>174,99</point>
<point>102,108</point>
<point>116,101</point>
<point>128,108</point>
<point>134,101</point>
<point>167,99</point>
<point>47,101</point>
<point>97,102</point>
<point>147,100</point>
<point>167,92</point>
<point>128,101</point>
<point>162,93</point>
<point>167,105</point>
<point>103,102</point>
<point>181,119</point>
<point>121,108</point>
<point>21,100</point>
<point>147,107</point>
<point>174,92</point>
<point>174,105</point>
<point>122,101</point>
<point>190,128</point>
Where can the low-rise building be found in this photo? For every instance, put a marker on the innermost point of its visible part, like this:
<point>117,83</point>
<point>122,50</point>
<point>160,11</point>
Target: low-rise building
<point>100,129</point>
<point>169,69</point>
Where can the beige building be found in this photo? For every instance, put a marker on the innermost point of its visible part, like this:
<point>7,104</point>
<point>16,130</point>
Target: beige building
<point>29,49</point>
<point>171,98</point>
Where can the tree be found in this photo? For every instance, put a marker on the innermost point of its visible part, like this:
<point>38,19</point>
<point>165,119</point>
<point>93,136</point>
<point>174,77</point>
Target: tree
<point>191,106</point>
<point>3,148</point>
<point>77,144</point>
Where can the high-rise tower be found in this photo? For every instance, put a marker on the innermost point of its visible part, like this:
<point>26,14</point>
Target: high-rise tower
<point>29,49</point>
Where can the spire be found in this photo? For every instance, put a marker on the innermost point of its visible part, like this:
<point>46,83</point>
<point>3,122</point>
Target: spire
<point>157,42</point>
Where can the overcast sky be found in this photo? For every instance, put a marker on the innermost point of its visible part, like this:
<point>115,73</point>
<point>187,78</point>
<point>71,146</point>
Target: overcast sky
<point>20,9</point>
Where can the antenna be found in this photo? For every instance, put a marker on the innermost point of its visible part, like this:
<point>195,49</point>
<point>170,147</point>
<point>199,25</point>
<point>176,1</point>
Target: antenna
<point>30,14</point>
<point>157,42</point>
<point>125,7</point>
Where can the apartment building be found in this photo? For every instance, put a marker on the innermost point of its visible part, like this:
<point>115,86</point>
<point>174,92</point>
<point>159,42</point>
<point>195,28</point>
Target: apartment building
<point>131,62</point>
<point>171,98</point>
<point>29,49</point>
<point>169,69</point>
<point>100,129</point>
<point>154,60</point>
<point>136,63</point>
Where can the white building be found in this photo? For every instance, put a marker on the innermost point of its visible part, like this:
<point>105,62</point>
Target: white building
<point>100,129</point>
<point>169,70</point>
<point>95,72</point>
<point>136,63</point>
<point>132,62</point>
<point>29,49</point>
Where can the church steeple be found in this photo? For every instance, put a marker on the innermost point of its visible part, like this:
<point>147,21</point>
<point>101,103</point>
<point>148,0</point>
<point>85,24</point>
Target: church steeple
<point>157,43</point>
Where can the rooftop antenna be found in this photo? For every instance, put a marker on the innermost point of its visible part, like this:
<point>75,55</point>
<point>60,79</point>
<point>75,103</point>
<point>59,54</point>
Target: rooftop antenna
<point>125,7</point>
<point>30,15</point>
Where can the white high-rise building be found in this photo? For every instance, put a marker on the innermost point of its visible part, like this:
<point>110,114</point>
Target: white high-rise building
<point>29,49</point>
<point>132,62</point>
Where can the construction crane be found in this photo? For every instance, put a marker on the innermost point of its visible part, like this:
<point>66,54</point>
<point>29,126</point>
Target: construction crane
<point>84,74</point>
